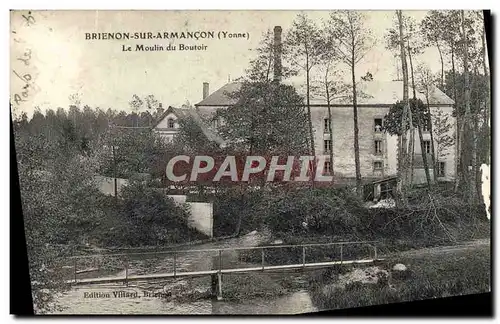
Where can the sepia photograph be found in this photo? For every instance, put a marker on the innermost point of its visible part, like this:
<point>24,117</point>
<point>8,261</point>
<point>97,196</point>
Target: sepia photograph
<point>250,162</point>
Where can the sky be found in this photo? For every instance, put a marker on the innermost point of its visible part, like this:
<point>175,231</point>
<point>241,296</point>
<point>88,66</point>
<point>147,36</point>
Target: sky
<point>50,48</point>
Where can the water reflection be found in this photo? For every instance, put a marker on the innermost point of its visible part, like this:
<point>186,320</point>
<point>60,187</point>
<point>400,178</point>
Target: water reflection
<point>74,302</point>
<point>80,301</point>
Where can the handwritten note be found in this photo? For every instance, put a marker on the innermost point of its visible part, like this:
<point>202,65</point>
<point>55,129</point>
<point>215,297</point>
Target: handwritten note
<point>22,65</point>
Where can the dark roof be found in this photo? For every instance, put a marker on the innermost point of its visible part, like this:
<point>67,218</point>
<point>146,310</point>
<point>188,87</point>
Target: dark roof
<point>221,97</point>
<point>371,93</point>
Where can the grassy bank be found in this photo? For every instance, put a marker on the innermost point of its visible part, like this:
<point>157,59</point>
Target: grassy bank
<point>430,275</point>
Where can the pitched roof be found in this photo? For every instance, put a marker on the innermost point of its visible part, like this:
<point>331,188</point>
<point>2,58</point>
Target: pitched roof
<point>221,96</point>
<point>369,93</point>
<point>191,112</point>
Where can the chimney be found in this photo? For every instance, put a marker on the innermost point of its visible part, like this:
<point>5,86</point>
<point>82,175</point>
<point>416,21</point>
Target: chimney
<point>205,90</point>
<point>277,53</point>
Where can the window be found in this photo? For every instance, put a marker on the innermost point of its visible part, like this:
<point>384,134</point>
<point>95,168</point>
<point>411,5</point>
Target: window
<point>427,147</point>
<point>425,127</point>
<point>171,123</point>
<point>327,168</point>
<point>440,169</point>
<point>378,147</point>
<point>327,125</point>
<point>378,165</point>
<point>327,146</point>
<point>378,125</point>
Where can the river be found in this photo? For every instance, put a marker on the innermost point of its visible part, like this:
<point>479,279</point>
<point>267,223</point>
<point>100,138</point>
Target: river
<point>159,296</point>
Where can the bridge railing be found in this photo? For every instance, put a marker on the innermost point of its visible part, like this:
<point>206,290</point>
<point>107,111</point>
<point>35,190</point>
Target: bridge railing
<point>265,257</point>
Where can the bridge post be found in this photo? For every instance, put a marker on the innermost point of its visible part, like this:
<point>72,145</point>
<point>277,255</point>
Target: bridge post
<point>175,264</point>
<point>304,256</point>
<point>341,256</point>
<point>214,283</point>
<point>126,272</point>
<point>262,250</point>
<point>220,260</point>
<point>216,278</point>
<point>375,252</point>
<point>219,291</point>
<point>74,267</point>
<point>219,277</point>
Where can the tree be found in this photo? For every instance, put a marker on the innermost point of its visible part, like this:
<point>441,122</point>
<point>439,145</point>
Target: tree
<point>149,216</point>
<point>425,82</point>
<point>59,203</point>
<point>442,126</point>
<point>421,116</point>
<point>487,107</point>
<point>329,86</point>
<point>131,151</point>
<point>267,118</point>
<point>352,40</point>
<point>413,46</point>
<point>472,176</point>
<point>403,153</point>
<point>432,30</point>
<point>136,104</point>
<point>261,67</point>
<point>302,40</point>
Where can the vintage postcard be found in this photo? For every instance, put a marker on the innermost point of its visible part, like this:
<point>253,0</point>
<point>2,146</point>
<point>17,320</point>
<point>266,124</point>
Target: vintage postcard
<point>251,162</point>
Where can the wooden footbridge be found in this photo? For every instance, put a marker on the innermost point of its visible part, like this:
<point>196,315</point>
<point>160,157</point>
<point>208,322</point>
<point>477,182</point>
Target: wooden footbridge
<point>218,268</point>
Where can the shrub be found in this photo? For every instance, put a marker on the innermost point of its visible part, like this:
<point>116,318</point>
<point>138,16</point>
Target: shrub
<point>237,210</point>
<point>321,210</point>
<point>146,216</point>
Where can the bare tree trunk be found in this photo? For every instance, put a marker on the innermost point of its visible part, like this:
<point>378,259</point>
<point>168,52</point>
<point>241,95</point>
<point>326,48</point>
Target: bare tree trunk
<point>487,98</point>
<point>402,169</point>
<point>458,150</point>
<point>330,131</point>
<point>471,177</point>
<point>442,64</point>
<point>431,133</point>
<point>309,119</point>
<point>412,129</point>
<point>419,125</point>
<point>356,129</point>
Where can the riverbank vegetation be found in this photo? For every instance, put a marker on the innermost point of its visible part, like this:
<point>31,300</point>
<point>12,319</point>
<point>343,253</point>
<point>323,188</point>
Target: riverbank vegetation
<point>429,275</point>
<point>430,218</point>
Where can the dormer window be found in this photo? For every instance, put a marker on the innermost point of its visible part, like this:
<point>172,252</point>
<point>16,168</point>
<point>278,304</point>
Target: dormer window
<point>170,123</point>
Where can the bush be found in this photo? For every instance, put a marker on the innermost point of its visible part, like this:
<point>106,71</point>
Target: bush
<point>146,216</point>
<point>319,210</point>
<point>235,210</point>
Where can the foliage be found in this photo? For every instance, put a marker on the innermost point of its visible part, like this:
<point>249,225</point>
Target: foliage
<point>302,40</point>
<point>191,138</point>
<point>267,118</point>
<point>261,67</point>
<point>392,121</point>
<point>478,84</point>
<point>60,205</point>
<point>441,126</point>
<point>351,37</point>
<point>146,216</point>
<point>322,210</point>
<point>231,205</point>
<point>131,151</point>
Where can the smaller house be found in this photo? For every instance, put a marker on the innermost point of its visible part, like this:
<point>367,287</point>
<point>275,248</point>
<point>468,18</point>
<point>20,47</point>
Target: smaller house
<point>167,125</point>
